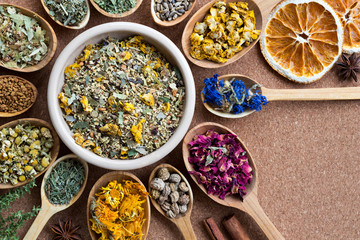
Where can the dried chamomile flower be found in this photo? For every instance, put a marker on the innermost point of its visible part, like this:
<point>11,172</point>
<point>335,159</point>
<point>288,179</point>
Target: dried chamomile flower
<point>223,32</point>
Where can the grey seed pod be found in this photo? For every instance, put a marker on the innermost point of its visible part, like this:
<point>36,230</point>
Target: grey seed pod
<point>175,208</point>
<point>157,184</point>
<point>184,199</point>
<point>173,187</point>
<point>165,206</point>
<point>167,190</point>
<point>162,199</point>
<point>170,214</point>
<point>183,187</point>
<point>182,208</point>
<point>174,197</point>
<point>163,174</point>
<point>155,194</point>
<point>175,178</point>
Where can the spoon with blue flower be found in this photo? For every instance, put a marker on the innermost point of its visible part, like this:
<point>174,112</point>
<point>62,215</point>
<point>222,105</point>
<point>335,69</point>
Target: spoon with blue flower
<point>236,96</point>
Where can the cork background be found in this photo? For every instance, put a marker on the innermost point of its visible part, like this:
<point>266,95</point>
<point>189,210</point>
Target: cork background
<point>307,153</point>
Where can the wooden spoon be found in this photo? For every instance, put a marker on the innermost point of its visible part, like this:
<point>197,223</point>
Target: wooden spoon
<point>118,15</point>
<point>119,176</point>
<point>261,9</point>
<point>33,99</point>
<point>54,150</point>
<point>250,204</point>
<point>182,221</point>
<point>311,94</point>
<point>79,26</point>
<point>50,34</point>
<point>173,22</point>
<point>47,208</point>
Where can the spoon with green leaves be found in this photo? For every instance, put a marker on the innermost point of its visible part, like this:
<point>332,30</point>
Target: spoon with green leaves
<point>61,187</point>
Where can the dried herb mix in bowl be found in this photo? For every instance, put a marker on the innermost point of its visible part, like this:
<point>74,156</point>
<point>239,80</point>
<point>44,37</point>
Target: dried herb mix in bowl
<point>122,98</point>
<point>22,40</point>
<point>220,164</point>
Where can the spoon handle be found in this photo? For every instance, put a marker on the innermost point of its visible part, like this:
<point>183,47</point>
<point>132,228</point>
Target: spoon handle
<point>313,94</point>
<point>42,218</point>
<point>185,227</point>
<point>252,207</point>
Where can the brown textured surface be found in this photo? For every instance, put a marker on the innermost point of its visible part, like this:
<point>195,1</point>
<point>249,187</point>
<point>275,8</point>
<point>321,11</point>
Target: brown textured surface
<point>307,153</point>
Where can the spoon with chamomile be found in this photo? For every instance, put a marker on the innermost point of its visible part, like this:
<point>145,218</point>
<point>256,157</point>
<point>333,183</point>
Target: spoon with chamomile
<point>57,177</point>
<point>311,94</point>
<point>248,203</point>
<point>181,220</point>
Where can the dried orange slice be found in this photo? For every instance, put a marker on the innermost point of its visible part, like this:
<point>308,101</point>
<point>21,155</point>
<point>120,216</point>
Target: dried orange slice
<point>303,39</point>
<point>349,13</point>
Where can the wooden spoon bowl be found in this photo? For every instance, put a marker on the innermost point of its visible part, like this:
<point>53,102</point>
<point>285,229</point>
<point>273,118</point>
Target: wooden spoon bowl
<point>199,16</point>
<point>50,34</point>
<point>118,15</point>
<point>182,221</point>
<point>119,176</point>
<point>250,203</point>
<point>54,150</point>
<point>311,94</point>
<point>47,208</point>
<point>33,99</point>
<point>173,22</point>
<point>82,24</point>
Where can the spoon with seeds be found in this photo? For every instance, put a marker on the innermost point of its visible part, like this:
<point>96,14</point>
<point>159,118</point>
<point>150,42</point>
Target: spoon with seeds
<point>250,204</point>
<point>80,25</point>
<point>28,86</point>
<point>48,209</point>
<point>312,94</point>
<point>182,221</point>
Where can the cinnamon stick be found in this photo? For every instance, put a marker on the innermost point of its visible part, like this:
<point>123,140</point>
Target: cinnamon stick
<point>213,229</point>
<point>234,228</point>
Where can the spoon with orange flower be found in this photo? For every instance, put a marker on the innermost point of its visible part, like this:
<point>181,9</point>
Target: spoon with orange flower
<point>48,209</point>
<point>311,94</point>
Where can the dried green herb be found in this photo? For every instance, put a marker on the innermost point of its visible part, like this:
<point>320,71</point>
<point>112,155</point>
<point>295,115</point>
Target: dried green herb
<point>116,6</point>
<point>10,225</point>
<point>22,40</point>
<point>68,12</point>
<point>64,181</point>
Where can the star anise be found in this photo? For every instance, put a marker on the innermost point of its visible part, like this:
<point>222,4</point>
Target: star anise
<point>65,231</point>
<point>349,67</point>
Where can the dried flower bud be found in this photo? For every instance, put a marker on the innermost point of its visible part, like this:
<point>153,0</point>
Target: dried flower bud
<point>167,190</point>
<point>166,206</point>
<point>175,178</point>
<point>157,184</point>
<point>170,214</point>
<point>163,174</point>
<point>173,187</point>
<point>174,196</point>
<point>162,199</point>
<point>175,208</point>
<point>184,199</point>
<point>183,187</point>
<point>155,194</point>
<point>182,208</point>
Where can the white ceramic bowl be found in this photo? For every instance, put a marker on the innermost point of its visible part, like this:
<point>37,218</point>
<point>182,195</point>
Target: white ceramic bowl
<point>119,30</point>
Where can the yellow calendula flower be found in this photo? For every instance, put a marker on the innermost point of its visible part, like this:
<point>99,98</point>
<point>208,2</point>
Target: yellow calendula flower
<point>127,56</point>
<point>148,99</point>
<point>111,129</point>
<point>128,107</point>
<point>88,143</point>
<point>165,107</point>
<point>71,70</point>
<point>79,139</point>
<point>85,104</point>
<point>64,103</point>
<point>136,131</point>
<point>97,150</point>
